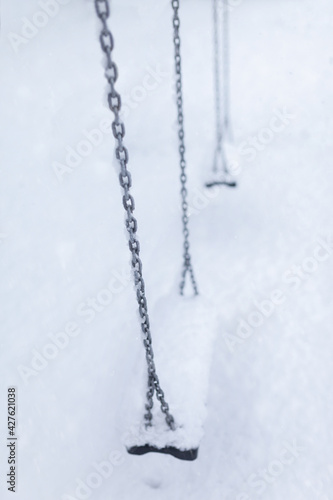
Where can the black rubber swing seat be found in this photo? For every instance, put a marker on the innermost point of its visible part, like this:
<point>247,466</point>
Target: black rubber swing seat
<point>188,455</point>
<point>221,183</point>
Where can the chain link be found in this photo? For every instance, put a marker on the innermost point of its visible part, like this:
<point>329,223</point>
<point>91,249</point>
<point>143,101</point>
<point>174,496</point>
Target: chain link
<point>118,129</point>
<point>221,28</point>
<point>187,265</point>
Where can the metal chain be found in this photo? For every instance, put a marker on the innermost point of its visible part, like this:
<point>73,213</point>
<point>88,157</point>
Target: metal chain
<point>187,265</point>
<point>226,69</point>
<point>222,125</point>
<point>118,129</point>
<point>217,73</point>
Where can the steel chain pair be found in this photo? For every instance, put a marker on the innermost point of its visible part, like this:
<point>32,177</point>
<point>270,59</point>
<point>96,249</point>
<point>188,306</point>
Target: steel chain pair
<point>118,129</point>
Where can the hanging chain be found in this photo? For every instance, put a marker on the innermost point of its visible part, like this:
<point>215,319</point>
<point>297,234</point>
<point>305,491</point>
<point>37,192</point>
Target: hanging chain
<point>226,68</point>
<point>217,73</point>
<point>221,65</point>
<point>187,265</point>
<point>118,129</point>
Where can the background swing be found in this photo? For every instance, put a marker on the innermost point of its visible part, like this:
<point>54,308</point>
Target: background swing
<point>189,323</point>
<point>221,175</point>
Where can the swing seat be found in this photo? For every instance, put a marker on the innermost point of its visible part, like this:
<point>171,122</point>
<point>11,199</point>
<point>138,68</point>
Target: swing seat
<point>229,183</point>
<point>184,330</point>
<point>221,178</point>
<point>188,455</point>
<point>225,161</point>
<point>160,439</point>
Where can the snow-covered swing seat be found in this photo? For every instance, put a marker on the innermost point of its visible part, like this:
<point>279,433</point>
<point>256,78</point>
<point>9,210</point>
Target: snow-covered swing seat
<point>184,335</point>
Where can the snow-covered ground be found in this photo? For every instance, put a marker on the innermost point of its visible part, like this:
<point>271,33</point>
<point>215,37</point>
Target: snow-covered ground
<point>263,253</point>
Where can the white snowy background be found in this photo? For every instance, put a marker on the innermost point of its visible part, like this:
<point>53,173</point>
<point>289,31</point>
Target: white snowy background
<point>63,243</point>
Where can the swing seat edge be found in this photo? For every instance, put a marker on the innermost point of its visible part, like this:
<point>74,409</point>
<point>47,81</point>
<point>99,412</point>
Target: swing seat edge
<point>187,454</point>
